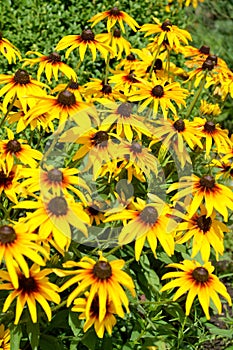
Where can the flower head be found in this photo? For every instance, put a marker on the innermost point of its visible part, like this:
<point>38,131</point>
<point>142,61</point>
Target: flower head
<point>197,280</point>
<point>4,338</point>
<point>8,50</point>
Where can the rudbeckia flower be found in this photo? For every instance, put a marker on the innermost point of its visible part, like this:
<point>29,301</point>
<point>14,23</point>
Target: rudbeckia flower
<point>206,232</point>
<point>146,222</point>
<point>200,54</point>
<point>107,323</point>
<point>17,148</point>
<point>31,290</point>
<point>125,121</point>
<point>197,280</point>
<point>8,50</point>
<point>98,91</point>
<point>159,93</point>
<point>55,180</point>
<point>82,42</point>
<point>117,43</point>
<point>9,182</point>
<point>209,108</point>
<point>167,31</point>
<point>215,196</point>
<point>16,243</point>
<point>115,15</point>
<point>103,279</point>
<point>20,85</point>
<point>124,81</point>
<point>51,64</point>
<point>73,86</point>
<point>54,215</point>
<point>4,338</point>
<point>224,168</point>
<point>211,131</point>
<point>64,106</point>
<point>128,63</point>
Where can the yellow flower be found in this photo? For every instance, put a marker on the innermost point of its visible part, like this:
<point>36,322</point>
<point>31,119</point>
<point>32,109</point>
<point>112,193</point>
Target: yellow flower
<point>117,43</point>
<point>4,338</point>
<point>159,93</point>
<point>8,50</point>
<point>51,64</point>
<point>124,81</point>
<point>32,290</point>
<point>209,108</point>
<point>9,182</point>
<point>216,196</point>
<point>103,279</point>
<point>107,323</point>
<point>16,243</point>
<point>73,86</point>
<point>16,148</point>
<point>146,221</point>
<point>82,42</point>
<point>167,31</point>
<point>197,279</point>
<point>20,85</point>
<point>205,231</point>
<point>54,215</point>
<point>101,92</point>
<point>115,15</point>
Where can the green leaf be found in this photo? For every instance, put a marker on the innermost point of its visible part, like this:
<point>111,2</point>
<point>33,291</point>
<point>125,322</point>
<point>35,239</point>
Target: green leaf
<point>33,331</point>
<point>49,342</point>
<point>74,323</point>
<point>90,339</point>
<point>218,331</point>
<point>15,337</point>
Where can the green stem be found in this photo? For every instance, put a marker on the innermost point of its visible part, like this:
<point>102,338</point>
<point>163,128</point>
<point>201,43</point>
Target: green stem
<point>57,307</point>
<point>196,96</point>
<point>8,110</point>
<point>181,333</point>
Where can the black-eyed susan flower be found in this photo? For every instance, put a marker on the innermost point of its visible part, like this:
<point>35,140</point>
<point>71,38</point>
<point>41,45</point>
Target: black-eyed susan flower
<point>146,222</point>
<point>212,133</point>
<point>159,93</point>
<point>8,50</point>
<point>64,106</point>
<point>73,86</point>
<point>102,279</point>
<point>197,280</point>
<point>128,63</point>
<point>125,81</point>
<point>216,196</point>
<point>19,149</point>
<point>167,30</point>
<point>4,338</point>
<point>9,182</point>
<point>108,322</point>
<point>51,64</point>
<point>113,16</point>
<point>53,216</point>
<point>31,290</point>
<point>190,51</point>
<point>54,180</point>
<point>224,168</point>
<point>22,86</point>
<point>98,91</point>
<point>117,43</point>
<point>95,210</point>
<point>87,39</point>
<point>206,232</point>
<point>209,108</point>
<point>16,244</point>
<point>125,121</point>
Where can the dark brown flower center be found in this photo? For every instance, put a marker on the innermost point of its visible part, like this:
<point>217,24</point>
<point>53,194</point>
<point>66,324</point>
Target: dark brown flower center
<point>100,138</point>
<point>136,147</point>
<point>6,181</point>
<point>209,126</point>
<point>93,209</point>
<point>130,57</point>
<point>55,175</point>
<point>13,146</point>
<point>54,57</point>
<point>66,98</point>
<point>204,49</point>
<point>7,234</point>
<point>106,89</point>
<point>115,12</point>
<point>204,223</point>
<point>149,215</point>
<point>157,91</point>
<point>73,85</point>
<point>125,109</point>
<point>200,274</point>
<point>88,35</point>
<point>131,77</point>
<point>208,65</point>
<point>95,306</point>
<point>58,206</point>
<point>213,58</point>
<point>1,36</point>
<point>179,125</point>
<point>102,270</point>
<point>207,181</point>
<point>22,77</point>
<point>158,64</point>
<point>117,33</point>
<point>166,26</point>
<point>27,285</point>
